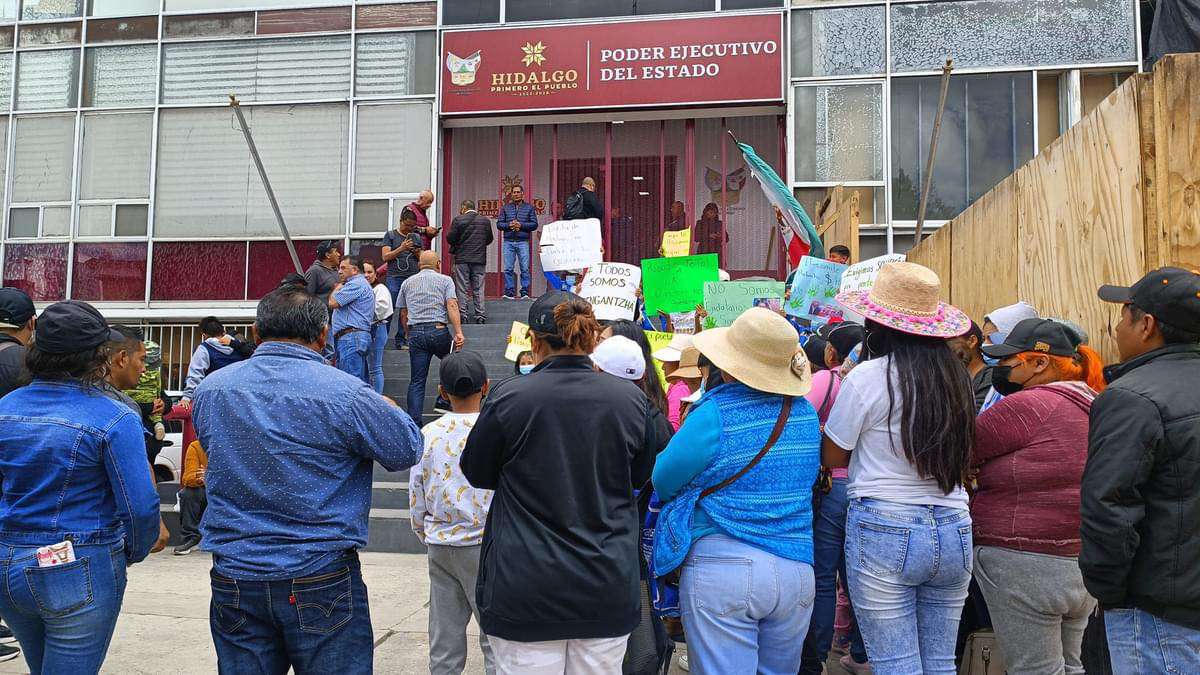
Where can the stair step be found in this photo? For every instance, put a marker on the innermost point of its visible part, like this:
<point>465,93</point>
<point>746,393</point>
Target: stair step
<point>390,530</point>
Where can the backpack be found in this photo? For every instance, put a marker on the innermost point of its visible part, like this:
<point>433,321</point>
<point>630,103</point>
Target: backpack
<point>573,209</point>
<point>981,655</point>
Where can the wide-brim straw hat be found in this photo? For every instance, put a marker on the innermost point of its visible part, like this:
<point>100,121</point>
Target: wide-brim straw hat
<point>674,351</point>
<point>761,350</point>
<point>905,298</point>
<point>689,368</point>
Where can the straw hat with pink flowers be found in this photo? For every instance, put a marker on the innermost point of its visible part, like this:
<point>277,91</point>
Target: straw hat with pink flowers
<point>905,298</point>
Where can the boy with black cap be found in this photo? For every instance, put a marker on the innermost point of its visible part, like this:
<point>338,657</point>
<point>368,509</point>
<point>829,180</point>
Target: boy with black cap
<point>1139,500</point>
<point>16,332</point>
<point>448,515</point>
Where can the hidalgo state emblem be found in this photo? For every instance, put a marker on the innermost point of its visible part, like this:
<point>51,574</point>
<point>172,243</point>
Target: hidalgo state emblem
<point>462,71</point>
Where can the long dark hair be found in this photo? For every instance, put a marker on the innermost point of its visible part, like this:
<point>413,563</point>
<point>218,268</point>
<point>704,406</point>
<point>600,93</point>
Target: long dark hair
<point>937,415</point>
<point>89,366</point>
<point>649,383</point>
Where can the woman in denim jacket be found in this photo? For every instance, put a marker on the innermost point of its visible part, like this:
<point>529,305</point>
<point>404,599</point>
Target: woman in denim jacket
<point>745,549</point>
<point>73,469</point>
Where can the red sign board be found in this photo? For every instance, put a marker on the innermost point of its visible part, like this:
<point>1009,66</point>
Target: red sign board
<point>612,65</point>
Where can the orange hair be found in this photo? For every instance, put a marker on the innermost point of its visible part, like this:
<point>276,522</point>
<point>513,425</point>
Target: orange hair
<point>1086,366</point>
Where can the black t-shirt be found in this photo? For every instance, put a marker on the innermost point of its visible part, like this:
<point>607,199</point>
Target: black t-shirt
<point>404,265</point>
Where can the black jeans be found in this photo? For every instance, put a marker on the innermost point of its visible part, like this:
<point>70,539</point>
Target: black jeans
<point>425,341</point>
<point>192,502</point>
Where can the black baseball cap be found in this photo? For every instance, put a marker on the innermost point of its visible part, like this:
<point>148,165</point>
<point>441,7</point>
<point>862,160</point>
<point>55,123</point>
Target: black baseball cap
<point>73,326</point>
<point>1045,336</point>
<point>463,374</point>
<point>844,336</point>
<point>326,246</point>
<point>16,309</point>
<point>541,313</point>
<point>1169,294</point>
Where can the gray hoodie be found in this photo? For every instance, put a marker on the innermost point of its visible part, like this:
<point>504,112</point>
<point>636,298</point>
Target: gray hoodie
<point>198,367</point>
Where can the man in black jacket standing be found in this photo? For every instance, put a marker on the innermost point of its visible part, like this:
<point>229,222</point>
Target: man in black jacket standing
<point>16,332</point>
<point>563,447</point>
<point>469,236</point>
<point>1140,497</point>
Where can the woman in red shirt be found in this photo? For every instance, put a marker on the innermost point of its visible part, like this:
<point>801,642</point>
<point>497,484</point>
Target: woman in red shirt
<point>1030,449</point>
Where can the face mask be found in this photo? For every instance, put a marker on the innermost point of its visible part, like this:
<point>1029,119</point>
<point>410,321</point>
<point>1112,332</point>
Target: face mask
<point>1001,382</point>
<point>526,369</point>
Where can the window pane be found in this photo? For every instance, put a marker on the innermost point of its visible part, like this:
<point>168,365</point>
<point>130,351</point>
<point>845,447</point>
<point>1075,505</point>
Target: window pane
<point>209,25</point>
<point>1007,33</point>
<point>48,79</point>
<point>470,11</point>
<point>6,73</point>
<point>396,64</point>
<point>120,76</point>
<point>38,269</point>
<point>8,10</point>
<point>750,4</point>
<point>174,275</point>
<point>387,133</point>
<point>208,185</point>
<point>843,41</point>
<point>112,272</point>
<point>538,10</point>
<point>50,9</point>
<point>49,34</point>
<point>257,70</point>
<point>179,5</point>
<point>106,137</point>
<point>131,220</point>
<point>839,133</point>
<point>42,158</point>
<point>122,7</point>
<point>56,221</point>
<point>23,223</point>
<point>3,153</point>
<point>370,215</point>
<point>987,132</point>
<point>95,221</point>
<point>270,262</point>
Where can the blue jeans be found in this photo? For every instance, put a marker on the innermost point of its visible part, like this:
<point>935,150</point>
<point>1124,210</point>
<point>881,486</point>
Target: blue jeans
<point>425,341</point>
<point>352,350</point>
<point>316,624</point>
<point>744,610</point>
<point>1139,642</point>
<point>63,616</point>
<point>393,285</point>
<point>829,561</point>
<point>379,335</point>
<point>909,568</point>
<point>516,251</point>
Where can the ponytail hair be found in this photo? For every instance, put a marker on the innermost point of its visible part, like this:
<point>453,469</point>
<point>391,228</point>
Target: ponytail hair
<point>1086,366</point>
<point>577,328</point>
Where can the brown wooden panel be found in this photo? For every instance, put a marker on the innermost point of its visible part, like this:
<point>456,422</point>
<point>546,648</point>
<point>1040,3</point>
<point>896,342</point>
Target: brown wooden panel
<point>935,252</point>
<point>46,34</point>
<point>304,20</point>
<point>398,16</point>
<point>984,247</point>
<point>209,25</point>
<point>1155,240</point>
<point>1177,141</point>
<point>118,30</point>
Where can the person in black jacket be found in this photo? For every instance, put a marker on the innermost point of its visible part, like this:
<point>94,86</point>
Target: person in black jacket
<point>469,236</point>
<point>16,332</point>
<point>1139,500</point>
<point>563,448</point>
<point>589,203</point>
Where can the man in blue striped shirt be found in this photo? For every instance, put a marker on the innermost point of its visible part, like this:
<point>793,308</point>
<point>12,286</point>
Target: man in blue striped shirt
<point>352,303</point>
<point>428,307</point>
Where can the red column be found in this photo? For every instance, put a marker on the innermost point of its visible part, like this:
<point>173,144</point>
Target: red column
<point>608,132</point>
<point>662,179</point>
<point>724,211</point>
<point>689,172</point>
<point>447,201</point>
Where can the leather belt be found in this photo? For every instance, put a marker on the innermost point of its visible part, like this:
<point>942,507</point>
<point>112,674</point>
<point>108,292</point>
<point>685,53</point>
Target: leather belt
<point>344,331</point>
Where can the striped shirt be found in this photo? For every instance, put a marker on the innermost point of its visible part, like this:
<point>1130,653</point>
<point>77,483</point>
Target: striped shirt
<point>424,295</point>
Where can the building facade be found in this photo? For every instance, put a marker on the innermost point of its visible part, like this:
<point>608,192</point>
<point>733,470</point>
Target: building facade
<point>127,182</point>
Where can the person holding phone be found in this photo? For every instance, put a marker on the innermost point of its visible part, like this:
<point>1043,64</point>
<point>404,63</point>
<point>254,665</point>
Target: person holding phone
<point>401,251</point>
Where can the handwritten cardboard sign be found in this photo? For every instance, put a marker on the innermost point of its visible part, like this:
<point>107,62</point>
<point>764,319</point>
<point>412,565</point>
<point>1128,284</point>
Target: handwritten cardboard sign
<point>658,340</point>
<point>677,243</point>
<point>726,300</point>
<point>861,276</point>
<point>612,290</point>
<point>677,284</point>
<point>518,341</point>
<point>570,245</point>
<point>814,291</point>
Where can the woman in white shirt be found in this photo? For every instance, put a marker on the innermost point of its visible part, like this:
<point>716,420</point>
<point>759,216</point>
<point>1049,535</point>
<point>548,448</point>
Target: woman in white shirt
<point>379,329</point>
<point>904,424</point>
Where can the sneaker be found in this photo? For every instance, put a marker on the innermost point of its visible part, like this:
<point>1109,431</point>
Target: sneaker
<point>186,547</point>
<point>509,296</point>
<point>682,662</point>
<point>6,635</point>
<point>481,320</point>
<point>8,653</point>
<point>854,667</point>
<point>526,296</point>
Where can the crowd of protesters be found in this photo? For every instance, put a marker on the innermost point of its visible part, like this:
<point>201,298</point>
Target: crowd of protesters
<point>590,513</point>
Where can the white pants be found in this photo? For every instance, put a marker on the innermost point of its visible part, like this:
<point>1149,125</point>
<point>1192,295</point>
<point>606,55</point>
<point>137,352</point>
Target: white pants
<point>600,656</point>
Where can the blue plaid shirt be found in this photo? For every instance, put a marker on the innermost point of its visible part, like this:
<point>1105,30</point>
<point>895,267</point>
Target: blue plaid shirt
<point>290,443</point>
<point>357,302</point>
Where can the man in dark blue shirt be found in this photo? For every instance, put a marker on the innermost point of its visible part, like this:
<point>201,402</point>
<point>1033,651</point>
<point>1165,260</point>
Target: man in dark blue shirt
<point>518,221</point>
<point>291,442</point>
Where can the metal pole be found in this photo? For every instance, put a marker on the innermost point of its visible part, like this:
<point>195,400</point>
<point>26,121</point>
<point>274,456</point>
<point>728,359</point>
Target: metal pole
<point>262,173</point>
<point>937,127</point>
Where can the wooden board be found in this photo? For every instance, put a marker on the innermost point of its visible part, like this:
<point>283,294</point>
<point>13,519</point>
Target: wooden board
<point>316,20</point>
<point>1154,239</point>
<point>839,223</point>
<point>935,252</point>
<point>1177,146</point>
<point>1080,217</point>
<point>984,248</point>
<point>397,16</point>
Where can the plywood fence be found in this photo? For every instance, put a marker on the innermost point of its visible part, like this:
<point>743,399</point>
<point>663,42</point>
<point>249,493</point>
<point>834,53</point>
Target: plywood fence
<point>1118,194</point>
<point>840,219</point>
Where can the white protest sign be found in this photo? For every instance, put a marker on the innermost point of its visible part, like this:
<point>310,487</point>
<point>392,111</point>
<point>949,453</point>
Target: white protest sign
<point>861,277</point>
<point>612,290</point>
<point>570,245</point>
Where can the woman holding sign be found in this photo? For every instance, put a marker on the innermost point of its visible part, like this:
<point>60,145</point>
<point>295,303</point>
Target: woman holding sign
<point>738,479</point>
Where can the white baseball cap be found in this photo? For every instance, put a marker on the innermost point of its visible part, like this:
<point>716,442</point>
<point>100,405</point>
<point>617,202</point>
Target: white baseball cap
<point>620,356</point>
<point>674,350</point>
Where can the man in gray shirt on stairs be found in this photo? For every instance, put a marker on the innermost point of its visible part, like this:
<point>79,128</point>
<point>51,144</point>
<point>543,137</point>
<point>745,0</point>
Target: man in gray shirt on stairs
<point>428,308</point>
